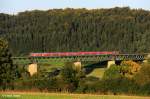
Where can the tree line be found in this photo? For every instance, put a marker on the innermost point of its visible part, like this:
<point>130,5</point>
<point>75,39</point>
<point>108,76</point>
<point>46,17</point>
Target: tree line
<point>58,30</point>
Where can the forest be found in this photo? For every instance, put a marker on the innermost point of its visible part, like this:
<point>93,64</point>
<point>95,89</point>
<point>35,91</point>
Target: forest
<point>58,30</point>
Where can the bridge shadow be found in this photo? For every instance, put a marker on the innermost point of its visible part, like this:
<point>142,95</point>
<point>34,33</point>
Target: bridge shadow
<point>90,67</point>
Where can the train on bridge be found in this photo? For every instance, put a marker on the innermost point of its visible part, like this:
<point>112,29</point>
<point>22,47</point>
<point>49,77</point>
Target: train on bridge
<point>54,54</point>
<point>79,56</point>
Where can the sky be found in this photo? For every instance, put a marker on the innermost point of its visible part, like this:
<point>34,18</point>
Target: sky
<point>15,6</point>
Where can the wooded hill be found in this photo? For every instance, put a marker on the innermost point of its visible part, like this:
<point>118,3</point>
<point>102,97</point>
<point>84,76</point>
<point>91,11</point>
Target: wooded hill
<point>117,29</point>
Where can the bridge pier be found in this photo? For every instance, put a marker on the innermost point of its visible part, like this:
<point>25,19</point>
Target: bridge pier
<point>77,66</point>
<point>32,69</point>
<point>109,63</point>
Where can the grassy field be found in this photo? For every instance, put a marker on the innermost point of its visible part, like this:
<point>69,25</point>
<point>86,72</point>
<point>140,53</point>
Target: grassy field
<point>19,95</point>
<point>50,66</point>
<point>97,72</point>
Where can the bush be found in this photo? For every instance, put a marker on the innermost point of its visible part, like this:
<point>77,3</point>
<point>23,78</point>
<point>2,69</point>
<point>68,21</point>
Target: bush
<point>25,84</point>
<point>130,67</point>
<point>38,84</point>
<point>87,85</point>
<point>112,73</point>
<point>70,77</point>
<point>117,86</point>
<point>143,76</point>
<point>46,84</point>
<point>145,89</point>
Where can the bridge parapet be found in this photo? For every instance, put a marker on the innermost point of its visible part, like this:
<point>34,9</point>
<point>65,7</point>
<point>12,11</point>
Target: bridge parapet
<point>29,60</point>
<point>130,57</point>
<point>21,60</point>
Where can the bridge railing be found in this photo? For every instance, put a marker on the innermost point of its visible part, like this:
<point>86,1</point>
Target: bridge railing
<point>28,60</point>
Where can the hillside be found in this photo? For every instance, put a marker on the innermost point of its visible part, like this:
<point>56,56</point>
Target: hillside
<point>120,29</point>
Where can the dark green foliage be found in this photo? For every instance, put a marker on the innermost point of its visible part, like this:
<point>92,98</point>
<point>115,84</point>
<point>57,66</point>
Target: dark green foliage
<point>77,30</point>
<point>88,85</point>
<point>144,89</point>
<point>69,77</point>
<point>68,73</point>
<point>118,85</point>
<point>46,84</point>
<point>8,71</point>
<point>24,84</point>
<point>109,86</point>
<point>113,72</point>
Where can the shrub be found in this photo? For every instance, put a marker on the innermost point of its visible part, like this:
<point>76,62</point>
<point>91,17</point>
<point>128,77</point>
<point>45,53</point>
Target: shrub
<point>87,85</point>
<point>112,72</point>
<point>145,89</point>
<point>143,76</point>
<point>117,85</point>
<point>133,67</point>
<point>46,84</point>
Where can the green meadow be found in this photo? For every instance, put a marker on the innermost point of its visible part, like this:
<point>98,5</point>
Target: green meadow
<point>63,96</point>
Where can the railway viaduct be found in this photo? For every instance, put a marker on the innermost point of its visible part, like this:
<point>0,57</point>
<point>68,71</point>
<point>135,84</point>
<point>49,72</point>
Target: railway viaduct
<point>111,59</point>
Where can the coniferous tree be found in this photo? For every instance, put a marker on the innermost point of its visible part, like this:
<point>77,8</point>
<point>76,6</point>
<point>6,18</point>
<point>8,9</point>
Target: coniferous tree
<point>8,71</point>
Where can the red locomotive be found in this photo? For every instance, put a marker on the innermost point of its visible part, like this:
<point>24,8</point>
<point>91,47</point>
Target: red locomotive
<point>54,54</point>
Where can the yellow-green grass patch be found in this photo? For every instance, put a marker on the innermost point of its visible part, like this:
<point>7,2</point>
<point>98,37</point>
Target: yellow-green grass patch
<point>97,72</point>
<point>33,95</point>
